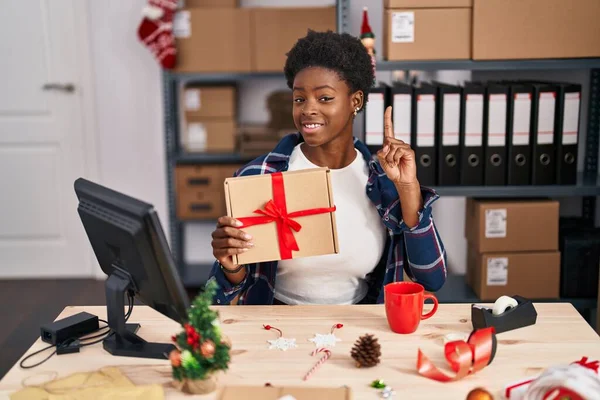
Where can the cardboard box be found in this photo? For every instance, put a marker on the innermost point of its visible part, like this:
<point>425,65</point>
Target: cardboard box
<point>302,190</point>
<point>512,225</point>
<point>209,101</point>
<point>199,190</point>
<point>210,3</point>
<point>427,34</point>
<point>276,393</point>
<point>534,275</point>
<point>276,30</point>
<point>212,40</point>
<point>200,205</point>
<point>530,29</point>
<point>427,3</point>
<point>209,135</point>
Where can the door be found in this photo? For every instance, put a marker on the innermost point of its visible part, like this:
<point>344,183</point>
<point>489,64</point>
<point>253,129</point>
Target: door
<point>42,146</point>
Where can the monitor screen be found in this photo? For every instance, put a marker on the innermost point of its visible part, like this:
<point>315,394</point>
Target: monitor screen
<point>126,235</point>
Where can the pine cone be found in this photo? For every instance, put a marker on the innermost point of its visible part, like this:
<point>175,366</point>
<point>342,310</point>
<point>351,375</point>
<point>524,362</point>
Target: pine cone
<point>366,351</point>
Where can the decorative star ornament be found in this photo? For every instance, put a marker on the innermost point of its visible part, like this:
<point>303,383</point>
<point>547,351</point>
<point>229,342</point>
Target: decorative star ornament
<point>328,339</point>
<point>282,343</point>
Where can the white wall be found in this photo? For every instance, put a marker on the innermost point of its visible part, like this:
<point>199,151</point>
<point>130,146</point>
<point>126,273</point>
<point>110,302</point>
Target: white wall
<point>130,124</point>
<point>129,118</point>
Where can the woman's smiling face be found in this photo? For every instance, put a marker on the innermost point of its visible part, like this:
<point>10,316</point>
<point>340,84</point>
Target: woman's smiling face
<point>323,105</point>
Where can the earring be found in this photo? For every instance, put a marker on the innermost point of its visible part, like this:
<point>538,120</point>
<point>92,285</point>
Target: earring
<point>356,111</point>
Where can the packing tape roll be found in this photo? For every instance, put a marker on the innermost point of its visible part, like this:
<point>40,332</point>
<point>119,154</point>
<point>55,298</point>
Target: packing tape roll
<point>452,337</point>
<point>503,304</point>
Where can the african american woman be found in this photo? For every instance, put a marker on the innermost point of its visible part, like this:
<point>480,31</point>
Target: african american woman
<point>384,216</point>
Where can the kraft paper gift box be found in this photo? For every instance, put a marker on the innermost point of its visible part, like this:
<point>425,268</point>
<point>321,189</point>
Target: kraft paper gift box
<point>288,214</point>
<point>287,393</point>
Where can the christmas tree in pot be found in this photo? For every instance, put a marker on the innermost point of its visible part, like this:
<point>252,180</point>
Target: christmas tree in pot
<point>202,350</point>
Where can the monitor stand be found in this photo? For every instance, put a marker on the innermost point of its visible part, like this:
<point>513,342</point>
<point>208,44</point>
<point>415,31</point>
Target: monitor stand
<point>122,340</point>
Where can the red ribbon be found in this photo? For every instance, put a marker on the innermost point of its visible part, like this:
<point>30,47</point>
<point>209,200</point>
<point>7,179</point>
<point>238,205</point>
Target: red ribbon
<point>276,211</point>
<point>464,358</point>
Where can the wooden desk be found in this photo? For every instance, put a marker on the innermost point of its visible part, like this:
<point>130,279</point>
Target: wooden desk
<point>560,336</point>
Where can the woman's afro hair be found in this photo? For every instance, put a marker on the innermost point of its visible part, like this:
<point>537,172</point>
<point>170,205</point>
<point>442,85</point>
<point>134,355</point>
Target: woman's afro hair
<point>342,53</point>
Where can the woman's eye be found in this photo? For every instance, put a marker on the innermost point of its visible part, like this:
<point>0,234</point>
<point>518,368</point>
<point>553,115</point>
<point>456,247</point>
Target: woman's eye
<point>325,98</point>
<point>298,100</point>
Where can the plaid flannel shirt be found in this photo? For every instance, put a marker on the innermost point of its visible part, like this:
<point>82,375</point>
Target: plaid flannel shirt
<point>418,251</point>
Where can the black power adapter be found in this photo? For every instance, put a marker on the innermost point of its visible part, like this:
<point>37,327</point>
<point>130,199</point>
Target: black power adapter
<point>69,328</point>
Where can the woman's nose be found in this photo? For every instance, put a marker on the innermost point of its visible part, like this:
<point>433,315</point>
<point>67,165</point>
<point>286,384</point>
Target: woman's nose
<point>309,109</point>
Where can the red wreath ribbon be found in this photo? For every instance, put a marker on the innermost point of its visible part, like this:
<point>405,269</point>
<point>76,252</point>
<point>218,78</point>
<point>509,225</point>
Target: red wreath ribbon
<point>276,211</point>
<point>593,365</point>
<point>464,358</point>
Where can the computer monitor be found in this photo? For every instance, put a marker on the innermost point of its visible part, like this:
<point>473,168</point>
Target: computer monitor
<point>130,245</point>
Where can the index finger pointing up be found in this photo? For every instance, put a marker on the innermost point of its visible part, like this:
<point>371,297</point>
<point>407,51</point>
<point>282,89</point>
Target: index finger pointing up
<point>389,129</point>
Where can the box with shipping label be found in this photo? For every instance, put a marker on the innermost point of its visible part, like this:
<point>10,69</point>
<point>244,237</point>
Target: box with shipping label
<point>276,30</point>
<point>209,101</point>
<point>512,225</point>
<point>199,190</point>
<point>432,30</point>
<point>210,3</point>
<point>533,275</point>
<point>289,214</point>
<point>212,40</point>
<point>209,135</point>
<point>427,3</point>
<point>281,393</point>
<point>535,29</point>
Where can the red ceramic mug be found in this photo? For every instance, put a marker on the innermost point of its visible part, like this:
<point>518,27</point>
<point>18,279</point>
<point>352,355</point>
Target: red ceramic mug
<point>404,305</point>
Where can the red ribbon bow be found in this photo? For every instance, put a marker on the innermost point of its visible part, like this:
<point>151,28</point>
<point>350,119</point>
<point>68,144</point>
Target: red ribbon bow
<point>593,365</point>
<point>464,358</point>
<point>276,211</point>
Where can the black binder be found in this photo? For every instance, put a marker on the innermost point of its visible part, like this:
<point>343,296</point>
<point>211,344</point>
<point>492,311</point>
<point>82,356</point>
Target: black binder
<point>494,134</point>
<point>519,134</point>
<point>424,133</point>
<point>448,133</point>
<point>568,106</point>
<point>402,111</point>
<point>471,135</point>
<point>374,123</point>
<point>543,119</point>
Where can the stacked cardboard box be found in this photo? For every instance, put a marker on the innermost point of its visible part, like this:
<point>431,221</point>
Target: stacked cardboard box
<point>232,39</point>
<point>427,29</point>
<point>490,29</point>
<point>209,3</point>
<point>209,119</point>
<point>199,190</point>
<point>513,248</point>
<point>529,29</point>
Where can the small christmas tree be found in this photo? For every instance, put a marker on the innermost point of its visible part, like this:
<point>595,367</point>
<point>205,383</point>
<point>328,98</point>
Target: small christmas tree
<point>202,348</point>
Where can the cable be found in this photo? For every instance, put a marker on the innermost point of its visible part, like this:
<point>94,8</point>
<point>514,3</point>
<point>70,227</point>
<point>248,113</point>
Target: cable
<point>103,336</point>
<point>109,332</point>
<point>33,354</point>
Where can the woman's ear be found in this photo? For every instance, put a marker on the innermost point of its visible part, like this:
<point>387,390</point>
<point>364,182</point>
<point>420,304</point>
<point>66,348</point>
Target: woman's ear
<point>357,100</point>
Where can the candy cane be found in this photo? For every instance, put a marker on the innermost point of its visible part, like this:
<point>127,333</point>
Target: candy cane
<point>320,362</point>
